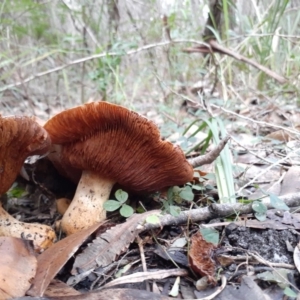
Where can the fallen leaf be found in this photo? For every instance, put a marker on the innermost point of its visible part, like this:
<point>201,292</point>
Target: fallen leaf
<point>104,249</point>
<point>58,288</point>
<point>280,135</point>
<point>54,258</point>
<point>142,276</point>
<point>17,267</point>
<point>200,257</point>
<point>290,181</point>
<point>297,257</point>
<point>111,294</point>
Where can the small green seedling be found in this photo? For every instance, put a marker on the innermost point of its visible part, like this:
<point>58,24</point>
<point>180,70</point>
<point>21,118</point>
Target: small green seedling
<point>122,197</point>
<point>175,196</point>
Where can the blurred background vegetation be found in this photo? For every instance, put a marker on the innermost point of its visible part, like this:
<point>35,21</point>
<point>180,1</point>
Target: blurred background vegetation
<point>48,53</point>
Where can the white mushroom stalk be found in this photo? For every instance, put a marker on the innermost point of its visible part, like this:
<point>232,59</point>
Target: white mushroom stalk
<point>42,236</point>
<point>86,207</point>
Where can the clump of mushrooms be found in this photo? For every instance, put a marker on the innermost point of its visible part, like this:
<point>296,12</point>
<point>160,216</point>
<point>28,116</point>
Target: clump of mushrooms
<point>108,144</point>
<point>21,137</point>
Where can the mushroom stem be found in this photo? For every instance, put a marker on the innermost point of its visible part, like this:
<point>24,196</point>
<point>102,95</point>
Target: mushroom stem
<point>42,236</point>
<point>86,208</point>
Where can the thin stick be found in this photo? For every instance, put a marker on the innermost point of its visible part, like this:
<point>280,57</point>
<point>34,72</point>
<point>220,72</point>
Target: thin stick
<point>209,157</point>
<point>143,259</point>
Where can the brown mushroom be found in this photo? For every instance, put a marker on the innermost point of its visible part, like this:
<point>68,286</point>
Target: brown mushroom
<point>110,144</point>
<point>21,137</point>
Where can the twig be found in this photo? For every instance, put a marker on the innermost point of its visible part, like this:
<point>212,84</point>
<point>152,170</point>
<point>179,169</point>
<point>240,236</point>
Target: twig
<point>254,154</point>
<point>218,291</point>
<point>216,210</point>
<point>94,56</point>
<point>143,259</point>
<point>216,47</point>
<point>209,157</point>
<point>251,120</point>
<point>267,263</point>
<point>267,169</point>
<point>76,17</point>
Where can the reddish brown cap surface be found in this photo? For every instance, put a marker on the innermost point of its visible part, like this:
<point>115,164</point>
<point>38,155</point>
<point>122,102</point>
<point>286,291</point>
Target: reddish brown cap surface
<point>19,137</point>
<point>118,144</point>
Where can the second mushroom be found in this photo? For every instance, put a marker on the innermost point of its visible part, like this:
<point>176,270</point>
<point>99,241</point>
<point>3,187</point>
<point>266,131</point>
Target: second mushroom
<point>108,144</point>
<point>19,138</point>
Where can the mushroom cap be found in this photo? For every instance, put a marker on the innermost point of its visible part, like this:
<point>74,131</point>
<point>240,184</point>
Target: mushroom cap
<point>119,144</point>
<point>19,137</point>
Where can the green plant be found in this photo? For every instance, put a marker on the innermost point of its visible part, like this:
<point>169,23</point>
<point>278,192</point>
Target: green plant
<point>122,197</point>
<point>223,164</point>
<point>175,195</point>
<point>211,235</point>
<point>260,208</point>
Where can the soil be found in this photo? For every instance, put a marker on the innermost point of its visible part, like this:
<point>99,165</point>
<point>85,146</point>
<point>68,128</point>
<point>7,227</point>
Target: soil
<point>271,244</point>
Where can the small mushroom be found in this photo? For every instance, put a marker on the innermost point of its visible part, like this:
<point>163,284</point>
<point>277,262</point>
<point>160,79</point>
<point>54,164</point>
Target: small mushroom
<point>108,144</point>
<point>21,137</point>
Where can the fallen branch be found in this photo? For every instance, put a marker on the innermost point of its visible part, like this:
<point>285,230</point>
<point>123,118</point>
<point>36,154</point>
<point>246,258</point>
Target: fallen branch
<point>209,157</point>
<point>216,211</point>
<point>214,46</point>
<point>95,56</point>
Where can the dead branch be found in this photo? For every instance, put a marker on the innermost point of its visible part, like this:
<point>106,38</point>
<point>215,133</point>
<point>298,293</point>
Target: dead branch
<point>216,47</point>
<point>209,157</point>
<point>216,211</point>
<point>95,56</point>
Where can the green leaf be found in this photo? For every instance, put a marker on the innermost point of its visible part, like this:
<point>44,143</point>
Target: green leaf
<point>174,210</point>
<point>121,196</point>
<point>152,219</point>
<point>259,207</point>
<point>112,205</point>
<point>211,235</point>
<point>176,189</point>
<point>260,216</point>
<point>198,187</point>
<point>266,276</point>
<point>280,276</point>
<point>187,194</point>
<point>289,292</point>
<point>126,210</point>
<point>170,194</point>
<point>277,203</point>
<point>16,191</point>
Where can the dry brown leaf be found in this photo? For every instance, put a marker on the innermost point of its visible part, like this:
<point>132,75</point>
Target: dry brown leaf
<point>282,135</point>
<point>104,249</point>
<point>54,258</point>
<point>290,181</point>
<point>17,267</point>
<point>142,276</point>
<point>200,257</point>
<point>111,294</point>
<point>58,288</point>
<point>279,135</point>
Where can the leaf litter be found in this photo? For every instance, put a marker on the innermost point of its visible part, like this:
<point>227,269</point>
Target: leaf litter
<point>239,233</point>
